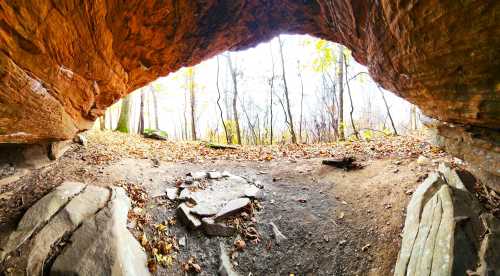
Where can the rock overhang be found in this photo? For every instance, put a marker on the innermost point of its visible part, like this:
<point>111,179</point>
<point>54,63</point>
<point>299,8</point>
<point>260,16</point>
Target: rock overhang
<point>63,63</point>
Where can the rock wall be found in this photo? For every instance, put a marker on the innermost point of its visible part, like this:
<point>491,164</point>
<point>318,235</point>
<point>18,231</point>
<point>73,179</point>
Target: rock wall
<point>446,231</point>
<point>480,147</point>
<point>63,62</point>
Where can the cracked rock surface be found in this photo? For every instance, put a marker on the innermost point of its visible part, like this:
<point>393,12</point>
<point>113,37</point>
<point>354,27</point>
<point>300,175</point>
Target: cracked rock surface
<point>77,229</point>
<point>443,232</point>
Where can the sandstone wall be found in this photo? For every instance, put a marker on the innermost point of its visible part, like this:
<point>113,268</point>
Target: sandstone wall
<point>63,62</point>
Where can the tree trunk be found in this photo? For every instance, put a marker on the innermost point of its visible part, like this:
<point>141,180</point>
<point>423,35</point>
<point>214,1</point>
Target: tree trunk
<point>193,105</point>
<point>350,100</point>
<point>102,122</point>
<point>228,140</point>
<point>155,106</point>
<point>235,97</point>
<point>301,99</point>
<point>290,120</point>
<point>141,113</point>
<point>123,121</point>
<point>388,111</point>
<point>271,84</point>
<point>340,72</point>
<point>413,117</point>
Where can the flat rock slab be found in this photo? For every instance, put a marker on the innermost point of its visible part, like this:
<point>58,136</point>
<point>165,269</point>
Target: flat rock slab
<point>184,214</point>
<point>232,207</point>
<point>171,193</point>
<point>40,213</point>
<point>221,191</point>
<point>65,222</point>
<point>78,229</point>
<point>212,228</point>
<point>103,245</point>
<point>204,210</point>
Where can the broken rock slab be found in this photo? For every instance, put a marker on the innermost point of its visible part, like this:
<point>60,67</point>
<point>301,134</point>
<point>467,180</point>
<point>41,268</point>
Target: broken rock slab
<point>214,175</point>
<point>40,213</point>
<point>212,228</point>
<point>199,175</point>
<point>103,245</point>
<point>232,207</point>
<point>171,193</point>
<point>81,207</point>
<point>184,214</point>
<point>204,210</point>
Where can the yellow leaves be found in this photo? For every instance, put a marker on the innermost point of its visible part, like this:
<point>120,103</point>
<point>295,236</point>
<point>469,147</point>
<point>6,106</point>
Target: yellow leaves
<point>144,240</point>
<point>161,227</point>
<point>325,57</point>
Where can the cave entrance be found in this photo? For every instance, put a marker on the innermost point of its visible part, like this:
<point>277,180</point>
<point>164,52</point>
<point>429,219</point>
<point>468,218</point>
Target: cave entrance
<point>311,200</point>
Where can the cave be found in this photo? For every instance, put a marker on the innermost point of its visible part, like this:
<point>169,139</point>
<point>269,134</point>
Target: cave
<point>62,63</point>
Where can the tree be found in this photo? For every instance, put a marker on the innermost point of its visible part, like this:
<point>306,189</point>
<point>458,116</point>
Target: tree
<point>340,85</point>
<point>271,85</point>
<point>155,106</point>
<point>228,139</point>
<point>141,112</point>
<point>232,70</point>
<point>413,117</point>
<point>192,97</point>
<point>123,121</point>
<point>301,99</point>
<point>102,122</point>
<point>287,99</point>
<point>388,111</point>
<point>350,99</point>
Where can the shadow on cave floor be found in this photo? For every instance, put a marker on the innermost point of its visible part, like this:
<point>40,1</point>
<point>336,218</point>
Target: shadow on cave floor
<point>336,222</point>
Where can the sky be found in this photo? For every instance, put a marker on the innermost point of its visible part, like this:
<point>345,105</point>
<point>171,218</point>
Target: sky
<point>255,69</point>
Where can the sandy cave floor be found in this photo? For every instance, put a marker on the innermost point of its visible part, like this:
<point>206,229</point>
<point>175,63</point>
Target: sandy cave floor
<point>337,222</point>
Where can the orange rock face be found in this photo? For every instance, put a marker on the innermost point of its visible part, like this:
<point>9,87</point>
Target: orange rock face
<point>63,62</point>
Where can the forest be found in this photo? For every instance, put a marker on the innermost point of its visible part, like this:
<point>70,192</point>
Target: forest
<point>292,89</point>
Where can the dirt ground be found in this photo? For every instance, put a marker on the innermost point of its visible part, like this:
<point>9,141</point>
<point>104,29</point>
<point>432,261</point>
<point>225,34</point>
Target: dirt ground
<point>336,222</point>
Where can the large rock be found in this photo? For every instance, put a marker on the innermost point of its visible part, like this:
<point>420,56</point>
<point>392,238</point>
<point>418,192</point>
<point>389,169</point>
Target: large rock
<point>62,63</point>
<point>40,213</point>
<point>442,231</point>
<point>78,230</point>
<point>81,207</point>
<point>103,245</point>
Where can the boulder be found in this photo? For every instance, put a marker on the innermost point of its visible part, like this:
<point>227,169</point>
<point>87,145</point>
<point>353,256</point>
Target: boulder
<point>103,245</point>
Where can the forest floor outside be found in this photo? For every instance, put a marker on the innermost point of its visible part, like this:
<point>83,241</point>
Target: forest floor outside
<point>336,222</point>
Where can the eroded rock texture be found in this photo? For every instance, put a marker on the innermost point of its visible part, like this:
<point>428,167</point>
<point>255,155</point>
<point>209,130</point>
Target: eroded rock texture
<point>444,232</point>
<point>63,62</point>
